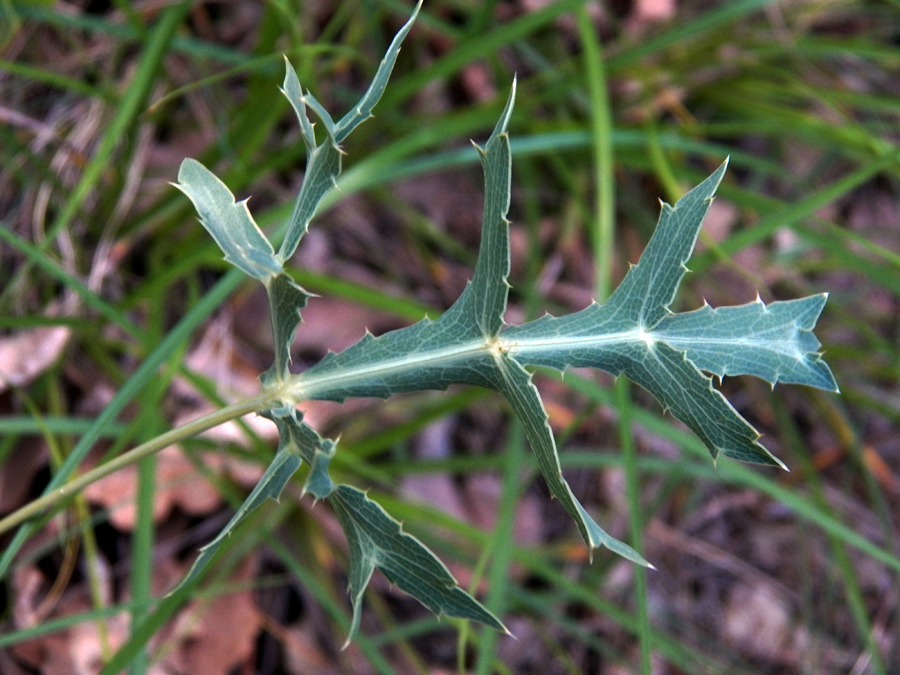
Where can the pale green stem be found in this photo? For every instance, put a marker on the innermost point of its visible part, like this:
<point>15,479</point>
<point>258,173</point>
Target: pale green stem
<point>189,430</point>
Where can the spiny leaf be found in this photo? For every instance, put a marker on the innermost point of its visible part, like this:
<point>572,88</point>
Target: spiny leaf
<point>461,346</point>
<point>270,486</point>
<point>516,386</point>
<point>363,110</point>
<point>588,340</point>
<point>298,442</point>
<point>450,350</point>
<point>480,307</point>
<point>378,541</point>
<point>229,223</point>
<point>426,355</point>
<point>294,94</point>
<point>635,333</point>
<point>286,300</point>
<point>299,437</point>
<point>323,166</point>
<point>313,104</point>
<point>773,342</point>
<point>319,483</point>
<point>644,296</point>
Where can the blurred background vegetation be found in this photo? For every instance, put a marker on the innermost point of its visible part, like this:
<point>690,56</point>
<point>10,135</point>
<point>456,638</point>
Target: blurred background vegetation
<point>104,268</point>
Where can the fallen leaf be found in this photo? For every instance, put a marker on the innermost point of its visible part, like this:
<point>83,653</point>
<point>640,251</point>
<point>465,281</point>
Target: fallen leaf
<point>74,651</point>
<point>654,10</point>
<point>28,353</point>
<point>214,637</point>
<point>758,620</point>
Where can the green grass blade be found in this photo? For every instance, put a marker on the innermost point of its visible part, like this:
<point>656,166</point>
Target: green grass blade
<point>135,384</point>
<point>134,98</point>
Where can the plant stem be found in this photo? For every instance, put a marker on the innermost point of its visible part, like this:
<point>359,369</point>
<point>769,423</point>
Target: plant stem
<point>192,428</point>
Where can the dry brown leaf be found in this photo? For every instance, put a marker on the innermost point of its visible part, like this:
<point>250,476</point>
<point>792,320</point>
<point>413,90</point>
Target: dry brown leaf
<point>28,582</point>
<point>478,83</point>
<point>28,353</point>
<point>178,484</point>
<point>74,651</point>
<point>880,469</point>
<point>217,357</point>
<point>438,490</point>
<point>758,620</point>
<point>483,494</point>
<point>302,653</point>
<point>215,637</point>
<point>654,10</point>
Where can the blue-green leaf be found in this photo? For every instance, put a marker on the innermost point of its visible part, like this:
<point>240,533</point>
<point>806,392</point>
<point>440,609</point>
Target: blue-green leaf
<point>363,110</point>
<point>286,300</point>
<point>297,437</point>
<point>773,342</point>
<point>294,94</point>
<point>313,104</point>
<point>270,486</point>
<point>454,348</point>
<point>479,310</point>
<point>635,333</point>
<point>516,385</point>
<point>323,166</point>
<point>229,223</point>
<point>462,346</point>
<point>378,541</point>
<point>319,483</point>
<point>642,299</point>
<point>323,162</point>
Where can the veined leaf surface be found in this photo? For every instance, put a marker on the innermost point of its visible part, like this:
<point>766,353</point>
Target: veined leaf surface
<point>451,349</point>
<point>323,166</point>
<point>270,486</point>
<point>377,540</point>
<point>634,333</point>
<point>463,346</point>
<point>286,300</point>
<point>774,342</point>
<point>298,443</point>
<point>229,222</point>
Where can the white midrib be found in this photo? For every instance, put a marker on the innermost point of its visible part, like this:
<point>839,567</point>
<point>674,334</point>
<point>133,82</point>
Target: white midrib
<point>318,385</point>
<point>787,347</point>
<point>303,386</point>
